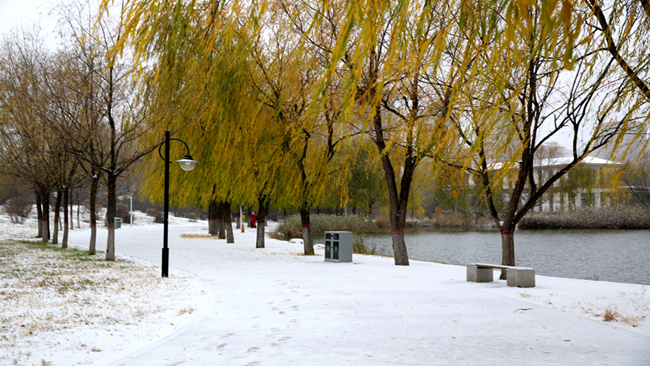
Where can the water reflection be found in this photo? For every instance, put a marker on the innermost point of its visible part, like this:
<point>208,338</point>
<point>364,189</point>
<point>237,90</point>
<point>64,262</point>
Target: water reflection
<point>605,255</point>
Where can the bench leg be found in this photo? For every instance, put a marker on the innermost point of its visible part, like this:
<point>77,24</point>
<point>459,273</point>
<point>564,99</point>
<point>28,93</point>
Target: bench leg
<point>479,274</point>
<point>521,277</point>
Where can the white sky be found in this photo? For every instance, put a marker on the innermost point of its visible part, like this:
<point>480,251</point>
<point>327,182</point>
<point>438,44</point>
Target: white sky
<point>14,13</point>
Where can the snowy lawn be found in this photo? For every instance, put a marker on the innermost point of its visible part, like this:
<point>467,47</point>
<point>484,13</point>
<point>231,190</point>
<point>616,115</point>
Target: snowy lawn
<point>64,307</point>
<point>274,306</point>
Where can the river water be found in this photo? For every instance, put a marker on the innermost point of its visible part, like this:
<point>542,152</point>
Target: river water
<point>604,255</point>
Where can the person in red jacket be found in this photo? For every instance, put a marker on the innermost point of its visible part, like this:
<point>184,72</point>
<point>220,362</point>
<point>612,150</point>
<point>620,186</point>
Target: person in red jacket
<point>253,220</point>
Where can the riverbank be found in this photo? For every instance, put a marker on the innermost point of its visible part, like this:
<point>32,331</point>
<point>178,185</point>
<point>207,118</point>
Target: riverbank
<point>589,218</point>
<point>274,306</point>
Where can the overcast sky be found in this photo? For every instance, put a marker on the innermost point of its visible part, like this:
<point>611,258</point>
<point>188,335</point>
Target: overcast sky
<point>16,12</point>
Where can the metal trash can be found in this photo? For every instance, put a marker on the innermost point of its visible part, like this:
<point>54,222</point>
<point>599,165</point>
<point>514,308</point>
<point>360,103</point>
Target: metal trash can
<point>338,246</point>
<point>118,222</point>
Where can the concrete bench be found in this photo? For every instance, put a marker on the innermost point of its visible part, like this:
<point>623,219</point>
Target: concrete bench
<point>516,276</point>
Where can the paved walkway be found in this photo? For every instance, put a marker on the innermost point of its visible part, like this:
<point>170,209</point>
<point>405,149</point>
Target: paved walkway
<point>269,308</point>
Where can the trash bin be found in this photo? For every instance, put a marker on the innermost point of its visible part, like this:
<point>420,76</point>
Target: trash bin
<point>338,246</point>
<point>118,222</point>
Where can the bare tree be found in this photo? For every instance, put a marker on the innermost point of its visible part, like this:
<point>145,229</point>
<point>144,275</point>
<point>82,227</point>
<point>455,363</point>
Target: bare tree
<point>27,149</point>
<point>104,127</point>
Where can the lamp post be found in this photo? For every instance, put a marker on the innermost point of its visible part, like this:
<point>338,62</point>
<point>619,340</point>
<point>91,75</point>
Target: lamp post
<point>187,164</point>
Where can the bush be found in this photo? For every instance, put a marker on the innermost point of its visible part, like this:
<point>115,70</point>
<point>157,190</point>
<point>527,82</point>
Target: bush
<point>383,222</point>
<point>359,246</point>
<point>18,208</point>
<point>291,227</point>
<point>193,216</point>
<point>589,218</point>
<point>152,212</point>
<point>460,220</point>
<point>159,218</point>
<point>122,211</point>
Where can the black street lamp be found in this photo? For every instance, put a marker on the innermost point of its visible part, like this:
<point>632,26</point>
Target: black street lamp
<point>187,164</point>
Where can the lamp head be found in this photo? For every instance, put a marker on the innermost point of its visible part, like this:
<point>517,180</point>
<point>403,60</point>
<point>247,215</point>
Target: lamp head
<point>187,163</point>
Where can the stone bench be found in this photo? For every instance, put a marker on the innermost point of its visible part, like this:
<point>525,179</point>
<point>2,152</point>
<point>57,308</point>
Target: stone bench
<point>516,276</point>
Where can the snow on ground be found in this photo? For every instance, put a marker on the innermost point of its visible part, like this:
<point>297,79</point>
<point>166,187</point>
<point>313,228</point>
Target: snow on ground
<point>274,306</point>
<point>61,311</point>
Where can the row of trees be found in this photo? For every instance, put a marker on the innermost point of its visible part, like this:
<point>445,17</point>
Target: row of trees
<point>282,97</point>
<point>70,117</point>
<point>294,104</point>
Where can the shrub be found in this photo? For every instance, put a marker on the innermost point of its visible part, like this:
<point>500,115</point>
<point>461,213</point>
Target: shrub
<point>622,217</point>
<point>193,216</point>
<point>461,220</point>
<point>122,211</point>
<point>383,221</point>
<point>610,315</point>
<point>159,218</point>
<point>18,208</point>
<point>291,227</point>
<point>359,246</point>
<point>152,212</point>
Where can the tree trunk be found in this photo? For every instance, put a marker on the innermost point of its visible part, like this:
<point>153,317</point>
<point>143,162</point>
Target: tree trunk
<point>221,225</point>
<point>78,211</point>
<point>227,219</point>
<point>93,217</point>
<point>230,235</point>
<point>57,216</point>
<point>307,238</point>
<point>66,194</point>
<point>39,211</point>
<point>212,218</point>
<point>110,217</point>
<point>398,198</point>
<point>399,246</point>
<point>71,201</point>
<point>507,250</point>
<point>397,224</point>
<point>221,229</point>
<point>261,220</point>
<point>46,216</point>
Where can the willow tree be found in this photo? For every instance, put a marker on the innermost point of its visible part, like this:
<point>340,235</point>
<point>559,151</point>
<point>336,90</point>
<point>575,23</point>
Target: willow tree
<point>409,70</point>
<point>384,61</point>
<point>242,91</point>
<point>286,70</point>
<point>391,56</point>
<point>520,95</point>
<point>622,28</point>
<point>365,186</point>
<point>198,88</point>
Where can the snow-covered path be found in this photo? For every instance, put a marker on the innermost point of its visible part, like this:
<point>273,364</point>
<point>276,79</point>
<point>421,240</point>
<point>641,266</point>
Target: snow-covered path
<point>276,307</point>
